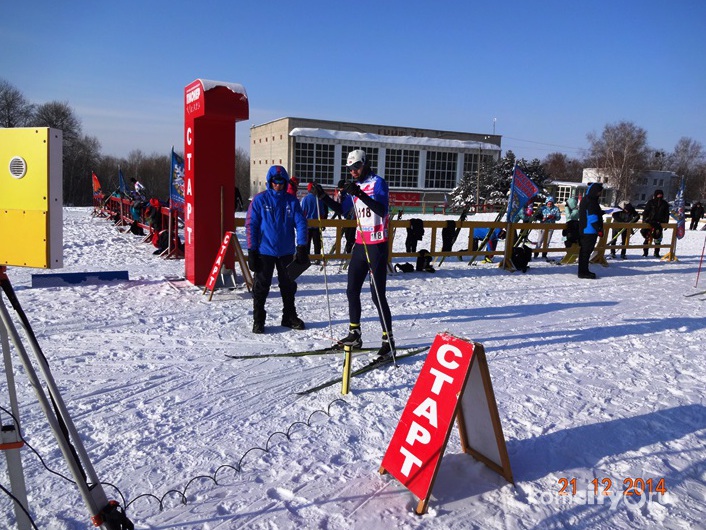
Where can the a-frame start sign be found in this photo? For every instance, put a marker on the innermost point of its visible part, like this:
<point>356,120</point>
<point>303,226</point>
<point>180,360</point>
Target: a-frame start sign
<point>454,384</point>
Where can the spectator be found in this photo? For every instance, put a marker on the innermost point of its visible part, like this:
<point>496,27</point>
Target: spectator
<point>338,195</point>
<point>697,212</point>
<point>293,186</point>
<point>626,214</point>
<point>368,197</point>
<point>238,200</point>
<point>655,213</point>
<point>590,227</point>
<point>314,208</point>
<point>272,218</point>
<point>571,232</point>
<point>549,213</point>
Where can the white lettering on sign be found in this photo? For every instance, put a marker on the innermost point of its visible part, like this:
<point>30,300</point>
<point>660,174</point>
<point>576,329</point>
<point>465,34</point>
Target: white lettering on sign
<point>188,231</point>
<point>188,191</point>
<point>409,461</point>
<point>441,356</point>
<point>188,159</point>
<point>188,136</point>
<point>417,433</point>
<point>193,95</point>
<point>427,410</point>
<point>439,379</point>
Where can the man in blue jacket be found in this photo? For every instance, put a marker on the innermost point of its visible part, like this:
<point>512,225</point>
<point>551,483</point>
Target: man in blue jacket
<point>272,218</point>
<point>314,208</point>
<point>590,227</point>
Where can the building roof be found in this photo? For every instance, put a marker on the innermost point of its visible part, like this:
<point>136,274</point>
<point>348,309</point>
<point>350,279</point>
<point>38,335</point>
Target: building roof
<point>356,137</point>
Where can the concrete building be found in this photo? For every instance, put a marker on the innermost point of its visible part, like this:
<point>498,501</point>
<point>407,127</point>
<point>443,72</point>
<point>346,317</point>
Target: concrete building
<point>419,165</point>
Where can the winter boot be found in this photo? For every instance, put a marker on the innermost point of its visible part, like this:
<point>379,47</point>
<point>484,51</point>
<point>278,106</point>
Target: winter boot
<point>354,339</point>
<point>656,253</point>
<point>258,327</point>
<point>385,351</point>
<point>292,321</point>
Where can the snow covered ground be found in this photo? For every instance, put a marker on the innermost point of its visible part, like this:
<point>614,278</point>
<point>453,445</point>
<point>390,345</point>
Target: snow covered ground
<point>593,379</point>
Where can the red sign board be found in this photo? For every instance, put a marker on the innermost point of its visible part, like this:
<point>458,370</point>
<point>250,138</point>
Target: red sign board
<point>418,444</point>
<point>405,198</point>
<point>220,257</point>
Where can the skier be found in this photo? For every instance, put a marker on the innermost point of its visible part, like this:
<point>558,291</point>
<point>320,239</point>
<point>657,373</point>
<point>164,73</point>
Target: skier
<point>368,195</point>
<point>273,216</point>
<point>590,227</point>
<point>655,213</point>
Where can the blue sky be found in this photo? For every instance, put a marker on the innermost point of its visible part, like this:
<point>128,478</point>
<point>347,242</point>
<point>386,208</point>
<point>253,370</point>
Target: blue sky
<point>543,74</point>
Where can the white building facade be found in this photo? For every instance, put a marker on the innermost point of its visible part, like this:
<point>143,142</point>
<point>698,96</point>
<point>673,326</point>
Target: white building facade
<point>418,164</point>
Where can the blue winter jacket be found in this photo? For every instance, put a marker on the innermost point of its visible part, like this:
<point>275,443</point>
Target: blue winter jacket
<point>272,219</point>
<point>311,210</point>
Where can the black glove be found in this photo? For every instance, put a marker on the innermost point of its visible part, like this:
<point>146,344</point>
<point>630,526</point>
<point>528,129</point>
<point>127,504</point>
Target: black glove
<point>352,188</point>
<point>302,255</point>
<point>254,261</point>
<point>318,190</point>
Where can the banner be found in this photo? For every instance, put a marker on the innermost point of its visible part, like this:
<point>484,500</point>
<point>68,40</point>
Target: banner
<point>679,207</point>
<point>176,182</point>
<point>522,190</point>
<point>121,183</point>
<point>96,184</point>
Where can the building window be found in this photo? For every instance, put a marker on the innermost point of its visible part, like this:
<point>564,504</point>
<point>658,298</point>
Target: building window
<point>441,170</point>
<point>314,162</point>
<point>562,193</point>
<point>370,152</point>
<point>470,164</point>
<point>402,168</point>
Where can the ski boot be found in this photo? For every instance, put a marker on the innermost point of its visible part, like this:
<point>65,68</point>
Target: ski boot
<point>354,339</point>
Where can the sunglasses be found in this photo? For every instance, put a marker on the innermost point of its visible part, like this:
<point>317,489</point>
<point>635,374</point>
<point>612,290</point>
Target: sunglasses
<point>356,166</point>
<point>278,182</point>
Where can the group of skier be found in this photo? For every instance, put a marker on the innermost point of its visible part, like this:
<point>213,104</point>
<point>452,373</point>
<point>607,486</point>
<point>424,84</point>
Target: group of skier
<point>275,215</point>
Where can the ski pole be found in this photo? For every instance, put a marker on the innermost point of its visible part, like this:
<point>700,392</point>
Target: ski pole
<point>700,262</point>
<point>321,239</point>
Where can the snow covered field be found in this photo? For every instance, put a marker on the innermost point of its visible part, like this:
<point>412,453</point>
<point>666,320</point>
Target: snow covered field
<point>594,380</point>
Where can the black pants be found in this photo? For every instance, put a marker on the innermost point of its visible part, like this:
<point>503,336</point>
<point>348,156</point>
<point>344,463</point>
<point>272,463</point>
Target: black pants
<point>694,224</point>
<point>314,234</point>
<point>262,281</point>
<point>588,243</point>
<point>623,237</point>
<point>358,270</point>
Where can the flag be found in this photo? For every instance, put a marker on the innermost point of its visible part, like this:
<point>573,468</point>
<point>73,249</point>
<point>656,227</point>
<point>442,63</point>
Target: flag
<point>679,207</point>
<point>522,190</point>
<point>176,182</point>
<point>121,183</point>
<point>96,184</point>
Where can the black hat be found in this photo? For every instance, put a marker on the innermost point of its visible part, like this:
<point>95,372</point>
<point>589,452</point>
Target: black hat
<point>659,192</point>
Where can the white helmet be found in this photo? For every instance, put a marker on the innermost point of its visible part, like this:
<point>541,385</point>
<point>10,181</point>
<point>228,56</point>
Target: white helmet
<point>356,156</point>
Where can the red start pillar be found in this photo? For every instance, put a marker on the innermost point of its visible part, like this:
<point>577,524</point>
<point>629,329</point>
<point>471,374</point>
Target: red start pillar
<point>211,110</point>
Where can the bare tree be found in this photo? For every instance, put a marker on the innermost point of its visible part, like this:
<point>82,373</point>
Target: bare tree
<point>621,152</point>
<point>560,167</point>
<point>15,110</point>
<point>242,173</point>
<point>686,161</point>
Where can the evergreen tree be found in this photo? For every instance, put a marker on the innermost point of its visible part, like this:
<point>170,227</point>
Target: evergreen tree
<point>495,181</point>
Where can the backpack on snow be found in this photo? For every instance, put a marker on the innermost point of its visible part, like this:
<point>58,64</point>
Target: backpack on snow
<point>521,256</point>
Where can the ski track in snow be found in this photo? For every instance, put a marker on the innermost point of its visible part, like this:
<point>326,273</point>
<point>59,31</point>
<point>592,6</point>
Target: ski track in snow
<point>593,379</point>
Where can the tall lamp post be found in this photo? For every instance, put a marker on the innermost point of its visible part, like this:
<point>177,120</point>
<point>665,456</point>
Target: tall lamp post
<point>478,174</point>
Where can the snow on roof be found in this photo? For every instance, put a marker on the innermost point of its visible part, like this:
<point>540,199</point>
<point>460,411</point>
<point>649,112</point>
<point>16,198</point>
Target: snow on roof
<point>234,87</point>
<point>357,137</point>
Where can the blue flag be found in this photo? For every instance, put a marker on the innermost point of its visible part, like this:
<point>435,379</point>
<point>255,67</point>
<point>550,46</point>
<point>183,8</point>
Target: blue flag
<point>522,190</point>
<point>679,207</point>
<point>121,182</point>
<point>176,182</point>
